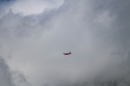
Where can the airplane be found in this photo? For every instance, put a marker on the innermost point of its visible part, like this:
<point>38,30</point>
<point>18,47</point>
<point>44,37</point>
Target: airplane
<point>67,53</point>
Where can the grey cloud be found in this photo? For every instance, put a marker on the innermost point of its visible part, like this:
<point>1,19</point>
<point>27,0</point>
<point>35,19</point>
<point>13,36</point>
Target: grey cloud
<point>19,79</point>
<point>4,6</point>
<point>96,31</point>
<point>11,78</point>
<point>5,74</point>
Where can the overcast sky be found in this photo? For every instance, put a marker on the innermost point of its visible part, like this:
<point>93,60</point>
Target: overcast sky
<point>34,34</point>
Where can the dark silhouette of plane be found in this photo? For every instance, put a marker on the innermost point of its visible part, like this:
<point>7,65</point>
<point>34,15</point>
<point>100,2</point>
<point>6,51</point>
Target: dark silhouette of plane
<point>67,53</point>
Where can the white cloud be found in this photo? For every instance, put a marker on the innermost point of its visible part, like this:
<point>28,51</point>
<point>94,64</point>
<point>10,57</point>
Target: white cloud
<point>29,7</point>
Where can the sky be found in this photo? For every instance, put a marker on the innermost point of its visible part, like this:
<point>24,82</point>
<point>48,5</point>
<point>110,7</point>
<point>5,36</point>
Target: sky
<point>34,34</point>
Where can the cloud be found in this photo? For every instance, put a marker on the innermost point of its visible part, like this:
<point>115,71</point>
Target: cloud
<point>11,78</point>
<point>19,79</point>
<point>35,7</point>
<point>97,33</point>
<point>5,75</point>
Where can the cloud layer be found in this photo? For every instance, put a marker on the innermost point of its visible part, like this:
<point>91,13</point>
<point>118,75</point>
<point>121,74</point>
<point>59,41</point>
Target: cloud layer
<point>34,36</point>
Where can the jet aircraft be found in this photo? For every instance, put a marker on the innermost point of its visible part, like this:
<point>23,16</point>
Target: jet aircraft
<point>67,53</point>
